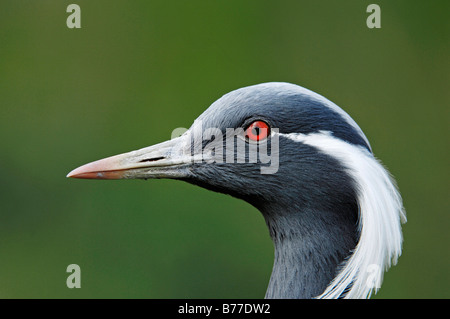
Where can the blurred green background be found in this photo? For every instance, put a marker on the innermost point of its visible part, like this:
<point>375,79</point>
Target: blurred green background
<point>138,69</point>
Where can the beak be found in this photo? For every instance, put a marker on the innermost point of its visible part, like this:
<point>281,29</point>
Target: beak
<point>169,159</point>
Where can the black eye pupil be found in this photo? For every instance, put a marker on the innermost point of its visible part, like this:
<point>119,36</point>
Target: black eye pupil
<point>255,131</point>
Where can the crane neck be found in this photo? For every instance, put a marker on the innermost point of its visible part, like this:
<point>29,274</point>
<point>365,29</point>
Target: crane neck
<point>309,247</point>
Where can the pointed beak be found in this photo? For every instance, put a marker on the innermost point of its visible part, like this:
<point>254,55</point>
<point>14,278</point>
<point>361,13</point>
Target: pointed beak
<point>169,159</point>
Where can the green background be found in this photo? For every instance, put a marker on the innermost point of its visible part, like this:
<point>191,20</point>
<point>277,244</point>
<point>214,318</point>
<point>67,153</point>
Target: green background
<point>136,70</point>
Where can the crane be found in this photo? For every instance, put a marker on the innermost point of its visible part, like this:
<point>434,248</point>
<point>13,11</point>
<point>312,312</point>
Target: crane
<point>333,211</point>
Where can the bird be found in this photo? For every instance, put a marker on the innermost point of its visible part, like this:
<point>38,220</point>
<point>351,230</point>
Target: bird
<point>332,209</point>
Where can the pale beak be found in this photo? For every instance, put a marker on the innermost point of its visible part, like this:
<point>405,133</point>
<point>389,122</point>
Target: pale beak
<point>169,159</point>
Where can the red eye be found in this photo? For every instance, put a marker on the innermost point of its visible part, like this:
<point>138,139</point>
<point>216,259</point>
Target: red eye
<point>257,131</point>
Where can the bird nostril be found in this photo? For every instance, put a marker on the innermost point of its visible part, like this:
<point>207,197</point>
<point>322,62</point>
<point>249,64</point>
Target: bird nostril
<point>152,159</point>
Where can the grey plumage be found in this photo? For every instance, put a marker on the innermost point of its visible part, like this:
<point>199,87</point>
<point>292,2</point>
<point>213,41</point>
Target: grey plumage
<point>310,204</point>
